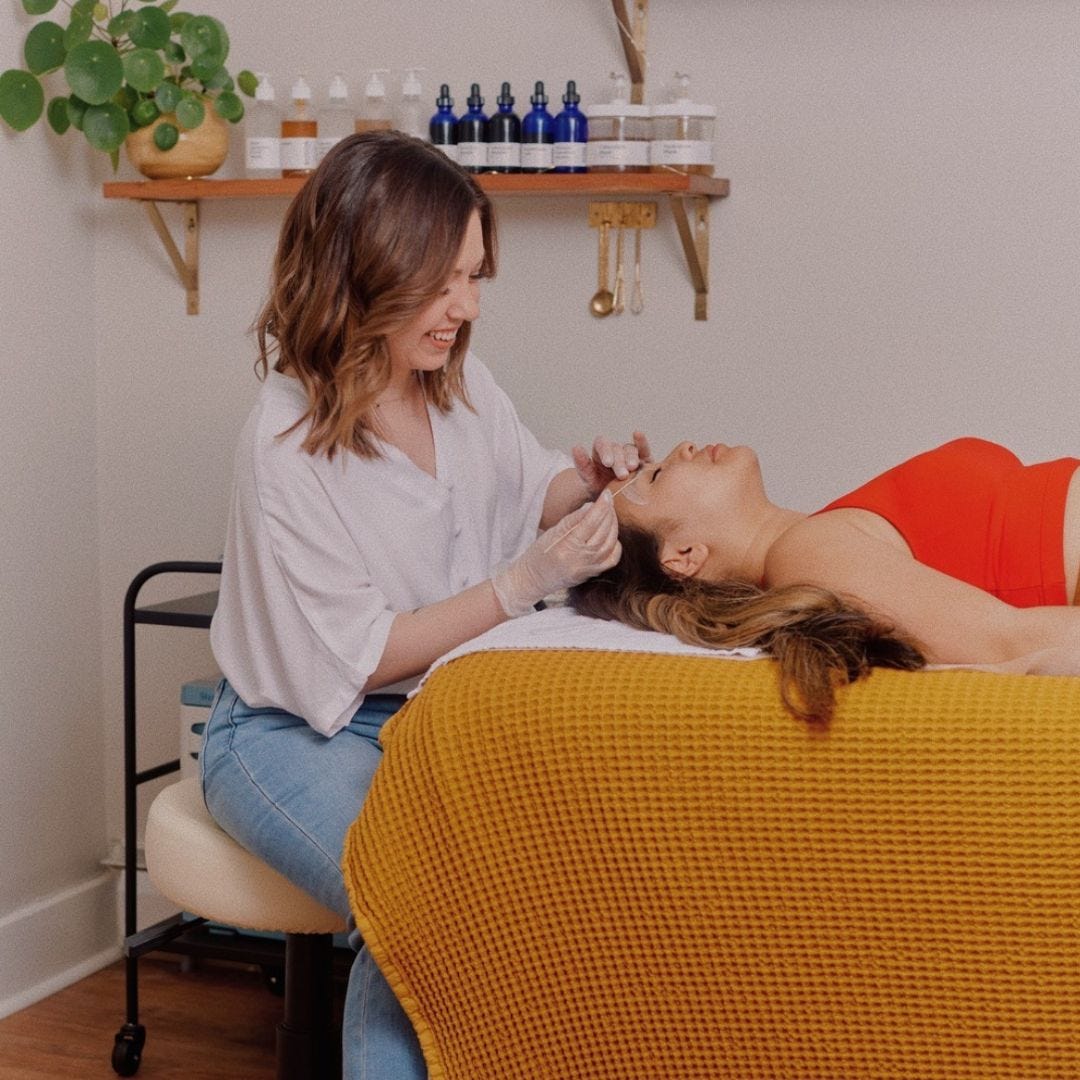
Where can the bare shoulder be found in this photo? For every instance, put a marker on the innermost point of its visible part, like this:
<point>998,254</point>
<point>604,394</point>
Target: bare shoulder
<point>809,550</point>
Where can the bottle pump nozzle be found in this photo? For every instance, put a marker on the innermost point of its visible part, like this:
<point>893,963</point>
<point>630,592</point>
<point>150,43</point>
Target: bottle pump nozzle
<point>538,95</point>
<point>376,87</point>
<point>621,92</point>
<point>475,100</point>
<point>505,97</point>
<point>571,97</point>
<point>411,86</point>
<point>682,87</point>
<point>444,100</point>
<point>301,91</point>
<point>339,89</point>
<point>264,91</point>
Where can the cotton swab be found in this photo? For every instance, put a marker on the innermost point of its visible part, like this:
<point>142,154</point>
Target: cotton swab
<point>632,497</point>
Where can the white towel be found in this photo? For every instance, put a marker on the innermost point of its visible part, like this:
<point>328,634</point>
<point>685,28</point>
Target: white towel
<point>564,628</point>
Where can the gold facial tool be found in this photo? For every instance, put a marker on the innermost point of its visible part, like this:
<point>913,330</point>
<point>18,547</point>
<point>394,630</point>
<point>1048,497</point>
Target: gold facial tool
<point>631,496</point>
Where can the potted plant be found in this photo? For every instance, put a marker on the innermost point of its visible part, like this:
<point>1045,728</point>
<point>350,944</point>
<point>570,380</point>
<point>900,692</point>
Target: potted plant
<point>133,68</point>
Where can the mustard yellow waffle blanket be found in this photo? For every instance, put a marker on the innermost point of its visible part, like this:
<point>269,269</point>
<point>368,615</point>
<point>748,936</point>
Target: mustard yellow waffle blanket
<point>592,865</point>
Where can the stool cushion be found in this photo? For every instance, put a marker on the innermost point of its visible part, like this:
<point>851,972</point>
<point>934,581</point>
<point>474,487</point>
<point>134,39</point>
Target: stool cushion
<point>195,863</point>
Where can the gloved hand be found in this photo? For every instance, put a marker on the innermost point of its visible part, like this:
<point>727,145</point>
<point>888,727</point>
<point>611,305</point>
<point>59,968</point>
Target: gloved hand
<point>583,544</point>
<point>610,460</point>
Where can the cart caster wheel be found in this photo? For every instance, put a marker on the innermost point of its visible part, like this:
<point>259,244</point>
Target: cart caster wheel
<point>127,1049</point>
<point>274,980</point>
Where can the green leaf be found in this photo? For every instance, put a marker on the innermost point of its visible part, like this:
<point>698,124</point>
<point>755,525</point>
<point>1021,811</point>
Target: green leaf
<point>168,5</point>
<point>114,157</point>
<point>21,99</point>
<point>58,116</point>
<point>94,71</point>
<point>174,53</point>
<point>38,7</point>
<point>77,111</point>
<point>178,20</point>
<point>248,82</point>
<point>167,96</point>
<point>44,49</point>
<point>220,80</point>
<point>79,30</point>
<point>191,112</point>
<point>106,126</point>
<point>206,69</point>
<point>150,29</point>
<point>144,69</point>
<point>204,38</point>
<point>126,98</point>
<point>84,8</point>
<point>166,136</point>
<point>119,26</point>
<point>101,12</point>
<point>145,112</point>
<point>229,107</point>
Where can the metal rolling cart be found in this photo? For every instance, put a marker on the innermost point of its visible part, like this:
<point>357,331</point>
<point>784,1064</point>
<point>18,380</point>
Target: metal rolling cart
<point>183,934</point>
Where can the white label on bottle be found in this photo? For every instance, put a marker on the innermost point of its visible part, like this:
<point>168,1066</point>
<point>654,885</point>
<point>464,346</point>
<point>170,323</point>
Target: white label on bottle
<point>569,155</point>
<point>324,145</point>
<point>449,149</point>
<point>617,152</point>
<point>298,153</point>
<point>504,155</point>
<point>262,154</point>
<point>681,152</point>
<point>537,155</point>
<point>473,154</point>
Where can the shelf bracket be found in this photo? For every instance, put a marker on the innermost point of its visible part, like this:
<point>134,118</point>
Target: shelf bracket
<point>632,34</point>
<point>186,265</point>
<point>691,214</point>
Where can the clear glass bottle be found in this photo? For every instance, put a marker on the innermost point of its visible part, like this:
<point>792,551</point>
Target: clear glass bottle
<point>442,128</point>
<point>504,136</point>
<point>410,117</point>
<point>472,134</point>
<point>618,133</point>
<point>375,115</point>
<point>538,135</point>
<point>571,134</point>
<point>262,134</point>
<point>335,118</point>
<point>299,131</point>
<point>682,135</point>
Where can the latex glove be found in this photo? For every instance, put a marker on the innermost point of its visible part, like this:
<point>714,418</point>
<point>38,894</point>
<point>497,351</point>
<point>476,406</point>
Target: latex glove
<point>610,460</point>
<point>583,544</point>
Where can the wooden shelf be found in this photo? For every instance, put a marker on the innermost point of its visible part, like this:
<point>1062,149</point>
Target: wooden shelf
<point>592,184</point>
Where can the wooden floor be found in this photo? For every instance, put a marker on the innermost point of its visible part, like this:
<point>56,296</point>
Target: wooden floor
<point>215,1022</point>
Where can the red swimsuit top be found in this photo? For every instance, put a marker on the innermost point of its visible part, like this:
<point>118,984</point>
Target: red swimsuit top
<point>972,510</point>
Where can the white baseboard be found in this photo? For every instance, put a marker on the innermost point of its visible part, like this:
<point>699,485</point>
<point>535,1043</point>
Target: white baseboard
<point>57,941</point>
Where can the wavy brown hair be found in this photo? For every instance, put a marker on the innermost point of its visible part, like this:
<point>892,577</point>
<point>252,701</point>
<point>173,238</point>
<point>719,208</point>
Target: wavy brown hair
<point>369,240</point>
<point>819,640</point>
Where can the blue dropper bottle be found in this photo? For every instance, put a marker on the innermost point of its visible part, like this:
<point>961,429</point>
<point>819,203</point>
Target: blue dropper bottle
<point>472,134</point>
<point>537,135</point>
<point>571,134</point>
<point>443,125</point>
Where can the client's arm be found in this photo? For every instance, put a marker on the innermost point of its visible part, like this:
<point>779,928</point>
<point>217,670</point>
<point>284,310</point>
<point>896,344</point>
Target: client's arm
<point>951,621</point>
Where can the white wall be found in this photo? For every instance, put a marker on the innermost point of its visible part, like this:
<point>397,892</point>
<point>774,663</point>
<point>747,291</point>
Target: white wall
<point>897,264</point>
<point>54,900</point>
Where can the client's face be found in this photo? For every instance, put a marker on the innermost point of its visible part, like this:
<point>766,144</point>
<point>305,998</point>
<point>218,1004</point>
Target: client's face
<point>697,494</point>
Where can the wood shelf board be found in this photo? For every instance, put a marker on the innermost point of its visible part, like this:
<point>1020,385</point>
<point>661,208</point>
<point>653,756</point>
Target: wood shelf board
<point>494,184</point>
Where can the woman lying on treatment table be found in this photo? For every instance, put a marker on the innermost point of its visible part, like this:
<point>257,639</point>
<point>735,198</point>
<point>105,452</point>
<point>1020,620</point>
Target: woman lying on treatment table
<point>961,555</point>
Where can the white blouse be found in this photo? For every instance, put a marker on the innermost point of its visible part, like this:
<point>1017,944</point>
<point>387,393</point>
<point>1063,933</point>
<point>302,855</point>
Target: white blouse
<point>321,554</point>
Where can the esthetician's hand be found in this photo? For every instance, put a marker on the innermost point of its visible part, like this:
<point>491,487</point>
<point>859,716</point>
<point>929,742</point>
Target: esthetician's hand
<point>610,460</point>
<point>583,544</point>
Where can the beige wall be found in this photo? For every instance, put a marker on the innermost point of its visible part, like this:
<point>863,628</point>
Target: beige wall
<point>897,265</point>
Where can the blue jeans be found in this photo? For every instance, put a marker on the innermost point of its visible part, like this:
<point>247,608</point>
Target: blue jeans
<point>288,794</point>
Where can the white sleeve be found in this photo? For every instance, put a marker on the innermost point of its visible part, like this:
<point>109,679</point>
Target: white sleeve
<point>300,623</point>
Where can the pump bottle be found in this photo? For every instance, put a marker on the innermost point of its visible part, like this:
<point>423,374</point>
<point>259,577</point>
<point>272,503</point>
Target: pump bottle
<point>537,134</point>
<point>571,134</point>
<point>472,134</point>
<point>262,134</point>
<point>410,113</point>
<point>504,136</point>
<point>443,125</point>
<point>336,119</point>
<point>299,131</point>
<point>376,112</point>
